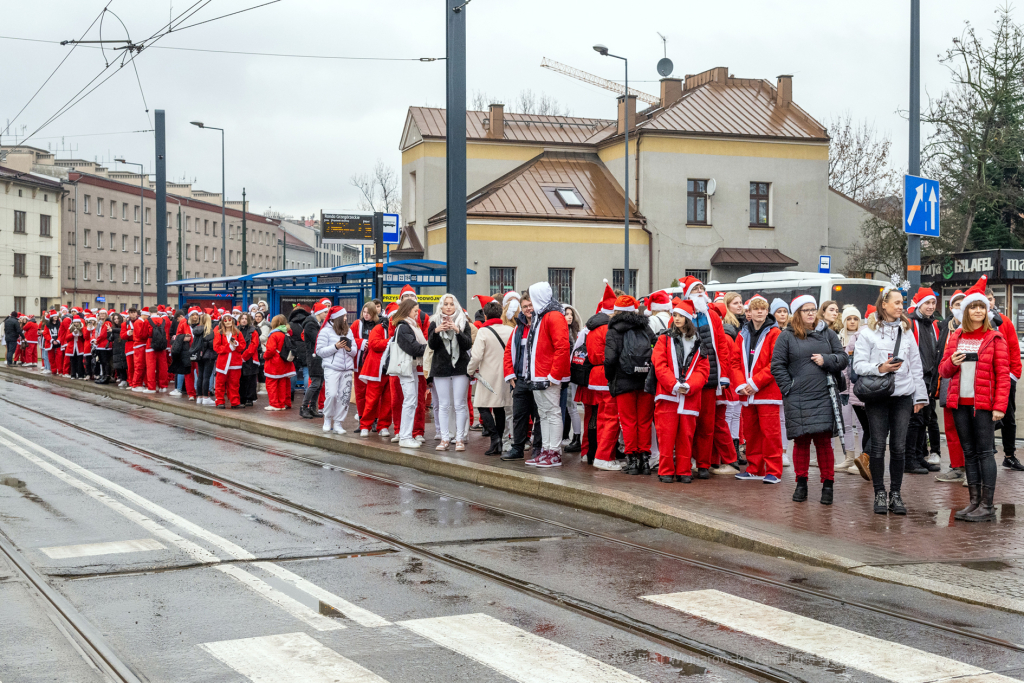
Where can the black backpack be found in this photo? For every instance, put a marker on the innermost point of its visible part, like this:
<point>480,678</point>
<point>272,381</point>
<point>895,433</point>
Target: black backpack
<point>580,367</point>
<point>158,342</point>
<point>635,358</point>
<point>288,349</point>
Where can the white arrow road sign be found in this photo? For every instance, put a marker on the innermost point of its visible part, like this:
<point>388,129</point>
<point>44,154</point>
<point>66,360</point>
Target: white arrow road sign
<point>917,201</point>
<point>934,201</point>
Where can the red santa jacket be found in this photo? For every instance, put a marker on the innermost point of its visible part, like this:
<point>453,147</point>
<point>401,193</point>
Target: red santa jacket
<point>596,339</point>
<point>252,345</point>
<point>274,366</point>
<point>31,332</point>
<point>1009,333</point>
<point>102,341</point>
<point>128,336</point>
<point>669,372</point>
<point>549,352</point>
<point>730,348</point>
<point>80,344</point>
<point>62,333</point>
<point>142,331</point>
<point>759,377</point>
<point>229,353</point>
<point>375,354</point>
<point>513,349</point>
<point>991,372</point>
<point>45,338</point>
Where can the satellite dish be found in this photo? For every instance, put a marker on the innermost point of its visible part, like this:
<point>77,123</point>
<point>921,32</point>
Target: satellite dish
<point>711,187</point>
<point>664,67</point>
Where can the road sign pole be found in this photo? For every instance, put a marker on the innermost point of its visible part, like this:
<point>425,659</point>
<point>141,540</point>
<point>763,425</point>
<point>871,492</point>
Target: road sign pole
<point>378,253</point>
<point>914,241</point>
<point>456,148</point>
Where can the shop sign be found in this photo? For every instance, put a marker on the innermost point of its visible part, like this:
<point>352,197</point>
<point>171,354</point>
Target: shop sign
<point>966,266</point>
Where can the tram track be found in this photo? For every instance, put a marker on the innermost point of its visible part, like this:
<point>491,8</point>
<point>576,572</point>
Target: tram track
<point>583,607</point>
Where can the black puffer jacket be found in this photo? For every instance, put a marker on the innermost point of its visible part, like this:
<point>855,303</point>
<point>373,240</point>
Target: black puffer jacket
<point>441,362</point>
<point>295,321</point>
<point>310,331</point>
<point>618,381</point>
<point>803,383</point>
<point>928,346</point>
<point>12,328</point>
<point>118,361</point>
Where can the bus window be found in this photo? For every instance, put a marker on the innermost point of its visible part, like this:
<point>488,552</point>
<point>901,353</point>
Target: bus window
<point>787,294</point>
<point>856,295</point>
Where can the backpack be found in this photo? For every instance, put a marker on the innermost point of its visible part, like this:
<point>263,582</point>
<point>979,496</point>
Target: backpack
<point>158,342</point>
<point>288,348</point>
<point>635,358</point>
<point>580,366</point>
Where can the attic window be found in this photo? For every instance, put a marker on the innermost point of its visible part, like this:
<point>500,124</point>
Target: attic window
<point>570,198</point>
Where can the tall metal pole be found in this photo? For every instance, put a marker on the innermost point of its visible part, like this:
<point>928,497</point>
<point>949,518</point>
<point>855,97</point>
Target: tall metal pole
<point>142,236</point>
<point>180,264</point>
<point>223,211</point>
<point>456,147</point>
<point>161,209</point>
<point>245,237</point>
<point>914,166</point>
<point>625,127</point>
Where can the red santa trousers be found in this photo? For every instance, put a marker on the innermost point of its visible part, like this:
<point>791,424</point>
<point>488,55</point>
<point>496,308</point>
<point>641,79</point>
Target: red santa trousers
<point>279,391</point>
<point>956,452</point>
<point>56,361</point>
<point>675,436</point>
<point>713,443</point>
<point>360,388</point>
<point>802,454</point>
<point>763,432</point>
<point>30,353</point>
<point>607,426</point>
<point>66,365</point>
<point>156,370</point>
<point>376,406</point>
<point>228,382</point>
<point>636,412</point>
<point>130,358</point>
<point>141,361</point>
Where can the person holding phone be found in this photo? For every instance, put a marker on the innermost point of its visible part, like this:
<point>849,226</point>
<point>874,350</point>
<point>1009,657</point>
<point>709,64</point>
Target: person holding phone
<point>976,362</point>
<point>451,341</point>
<point>886,345</point>
<point>336,347</point>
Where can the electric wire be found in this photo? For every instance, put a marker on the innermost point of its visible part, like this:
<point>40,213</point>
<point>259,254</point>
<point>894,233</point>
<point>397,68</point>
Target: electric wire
<point>207,21</point>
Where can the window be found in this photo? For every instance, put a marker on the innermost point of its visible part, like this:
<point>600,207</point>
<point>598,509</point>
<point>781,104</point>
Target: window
<point>136,269</point>
<point>85,238</point>
<point>113,241</point>
<point>260,239</point>
<point>188,223</point>
<point>231,258</point>
<point>99,272</point>
<point>215,228</point>
<point>71,238</point>
<point>618,283</point>
<point>71,272</point>
<point>71,204</point>
<point>19,222</point>
<point>124,242</point>
<point>147,276</point>
<point>206,253</point>
<point>188,274</point>
<point>85,204</point>
<point>147,246</point>
<point>99,239</point>
<point>697,202</point>
<point>113,273</point>
<point>136,245</point>
<point>206,227</point>
<point>188,252</point>
<point>148,219</point>
<point>124,211</point>
<point>759,204</point>
<point>215,250</point>
<point>85,270</point>
<point>700,274</point>
<point>44,266</point>
<point>99,206</point>
<point>197,252</point>
<point>561,284</point>
<point>570,198</point>
<point>46,197</point>
<point>113,209</point>
<point>168,249</point>
<point>124,274</point>
<point>19,266</point>
<point>503,279</point>
<point>19,303</point>
<point>44,225</point>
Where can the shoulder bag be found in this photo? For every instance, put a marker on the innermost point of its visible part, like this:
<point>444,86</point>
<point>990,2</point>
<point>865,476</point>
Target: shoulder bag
<point>871,388</point>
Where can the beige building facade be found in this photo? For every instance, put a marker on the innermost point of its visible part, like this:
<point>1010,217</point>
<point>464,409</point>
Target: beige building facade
<point>30,230</point>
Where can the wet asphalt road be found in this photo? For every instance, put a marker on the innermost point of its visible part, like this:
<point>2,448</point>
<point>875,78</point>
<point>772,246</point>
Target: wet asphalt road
<point>205,582</point>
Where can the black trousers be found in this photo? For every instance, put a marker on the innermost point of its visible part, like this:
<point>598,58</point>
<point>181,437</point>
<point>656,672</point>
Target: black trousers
<point>493,420</point>
<point>247,388</point>
<point>204,372</point>
<point>917,431</point>
<point>862,417</point>
<point>12,345</point>
<point>101,358</point>
<point>978,439</point>
<point>523,408</point>
<point>1009,422</point>
<point>890,418</point>
<point>312,396</point>
<point>77,367</point>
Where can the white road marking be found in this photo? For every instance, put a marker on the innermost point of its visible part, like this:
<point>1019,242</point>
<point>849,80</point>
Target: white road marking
<point>513,652</point>
<point>875,656</point>
<point>357,614</point>
<point>289,658</point>
<point>63,552</point>
<point>285,602</point>
<point>165,514</point>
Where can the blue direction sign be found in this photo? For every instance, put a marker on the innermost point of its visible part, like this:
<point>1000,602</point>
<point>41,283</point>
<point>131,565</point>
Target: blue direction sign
<point>824,264</point>
<point>920,206</point>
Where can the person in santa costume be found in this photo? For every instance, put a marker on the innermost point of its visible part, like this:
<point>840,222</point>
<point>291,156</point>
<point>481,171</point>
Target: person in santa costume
<point>141,333</point>
<point>659,306</point>
<point>46,341</point>
<point>229,345</point>
<point>1008,425</point>
<point>369,319</point>
<point>627,358</point>
<point>603,437</point>
<point>377,402</point>
<point>976,362</point>
<point>955,474</point>
<point>311,327</point>
<point>30,330</point>
<point>336,347</point>
<point>404,364</point>
<point>680,369</point>
<point>78,347</point>
<point>278,368</point>
<point>714,440</point>
<point>62,338</point>
<point>760,395</point>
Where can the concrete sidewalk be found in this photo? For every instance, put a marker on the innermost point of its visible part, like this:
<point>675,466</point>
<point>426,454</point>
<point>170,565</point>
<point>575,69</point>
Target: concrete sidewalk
<point>979,563</point>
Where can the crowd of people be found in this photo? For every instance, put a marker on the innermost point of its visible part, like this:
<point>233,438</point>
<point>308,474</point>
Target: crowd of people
<point>686,387</point>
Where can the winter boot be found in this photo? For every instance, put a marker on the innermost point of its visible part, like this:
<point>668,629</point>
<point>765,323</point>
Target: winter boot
<point>974,490</point>
<point>800,494</point>
<point>881,505</point>
<point>644,462</point>
<point>986,511</point>
<point>574,445</point>
<point>826,492</point>
<point>740,460</point>
<point>632,464</point>
<point>912,464</point>
<point>846,464</point>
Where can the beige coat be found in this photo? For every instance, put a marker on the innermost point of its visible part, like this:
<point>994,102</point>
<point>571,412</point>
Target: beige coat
<point>488,359</point>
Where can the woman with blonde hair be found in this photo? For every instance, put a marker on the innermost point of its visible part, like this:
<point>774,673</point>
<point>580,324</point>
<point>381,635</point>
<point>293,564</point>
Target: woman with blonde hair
<point>406,352</point>
<point>829,313</point>
<point>450,339</point>
<point>278,368</point>
<point>735,314</point>
<point>228,344</point>
<point>854,418</point>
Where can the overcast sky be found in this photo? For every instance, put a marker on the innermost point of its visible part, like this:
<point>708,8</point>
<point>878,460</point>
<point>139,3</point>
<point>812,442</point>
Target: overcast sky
<point>297,129</point>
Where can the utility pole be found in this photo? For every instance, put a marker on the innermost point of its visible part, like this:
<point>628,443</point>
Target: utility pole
<point>245,236</point>
<point>180,272</point>
<point>914,167</point>
<point>456,147</point>
<point>161,209</point>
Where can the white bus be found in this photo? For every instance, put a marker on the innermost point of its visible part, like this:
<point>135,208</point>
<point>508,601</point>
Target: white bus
<point>789,284</point>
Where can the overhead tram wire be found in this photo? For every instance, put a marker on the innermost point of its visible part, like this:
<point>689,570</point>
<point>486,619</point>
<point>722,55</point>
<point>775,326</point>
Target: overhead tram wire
<point>206,21</point>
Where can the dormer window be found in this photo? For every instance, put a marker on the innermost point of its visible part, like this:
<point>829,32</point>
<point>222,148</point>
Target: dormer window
<point>569,197</point>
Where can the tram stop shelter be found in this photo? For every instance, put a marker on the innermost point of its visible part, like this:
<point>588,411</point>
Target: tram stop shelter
<point>349,285</point>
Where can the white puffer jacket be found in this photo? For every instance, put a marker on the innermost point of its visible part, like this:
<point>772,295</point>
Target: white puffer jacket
<point>873,347</point>
<point>335,359</point>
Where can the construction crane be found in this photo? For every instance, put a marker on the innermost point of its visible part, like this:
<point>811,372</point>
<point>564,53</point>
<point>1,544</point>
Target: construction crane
<point>581,75</point>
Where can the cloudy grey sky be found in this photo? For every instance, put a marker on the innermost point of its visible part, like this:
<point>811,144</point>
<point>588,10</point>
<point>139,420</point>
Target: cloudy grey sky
<point>297,129</point>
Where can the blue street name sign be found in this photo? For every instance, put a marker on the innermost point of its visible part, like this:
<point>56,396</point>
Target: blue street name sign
<point>824,264</point>
<point>920,206</point>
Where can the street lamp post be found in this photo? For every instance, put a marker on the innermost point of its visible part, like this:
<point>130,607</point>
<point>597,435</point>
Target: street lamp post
<point>603,51</point>
<point>142,230</point>
<point>223,200</point>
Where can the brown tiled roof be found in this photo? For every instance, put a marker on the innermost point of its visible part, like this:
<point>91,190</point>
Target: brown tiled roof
<point>518,127</point>
<point>29,178</point>
<point>739,106</point>
<point>529,191</point>
<point>771,258</point>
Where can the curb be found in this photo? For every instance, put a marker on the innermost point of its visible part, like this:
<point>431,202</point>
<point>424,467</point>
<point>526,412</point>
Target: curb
<point>601,500</point>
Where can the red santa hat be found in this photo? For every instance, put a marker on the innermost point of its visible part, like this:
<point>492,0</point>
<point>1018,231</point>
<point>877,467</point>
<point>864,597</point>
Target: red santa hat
<point>90,318</point>
<point>75,310</point>
<point>332,313</point>
<point>802,300</point>
<point>756,296</point>
<point>145,311</point>
<point>720,297</point>
<point>407,290</point>
<point>688,283</point>
<point>321,306</point>
<point>719,306</point>
<point>161,308</point>
<point>624,304</point>
<point>390,309</point>
<point>975,293</point>
<point>607,305</point>
<point>659,301</point>
<point>683,308</point>
<point>924,295</point>
<point>869,311</point>
<point>511,294</point>
<point>484,300</point>
<point>958,294</point>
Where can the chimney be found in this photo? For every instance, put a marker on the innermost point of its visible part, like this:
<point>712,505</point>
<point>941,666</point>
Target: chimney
<point>496,129</point>
<point>720,74</point>
<point>785,91</point>
<point>671,90</point>
<point>626,109</point>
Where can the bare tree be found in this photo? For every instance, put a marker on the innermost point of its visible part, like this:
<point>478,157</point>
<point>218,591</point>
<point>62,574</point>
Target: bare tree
<point>525,102</point>
<point>859,163</point>
<point>883,244</point>
<point>379,189</point>
<point>480,101</point>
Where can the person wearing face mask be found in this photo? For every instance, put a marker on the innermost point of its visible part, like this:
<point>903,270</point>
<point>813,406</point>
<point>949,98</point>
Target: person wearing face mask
<point>956,473</point>
<point>886,347</point>
<point>926,336</point>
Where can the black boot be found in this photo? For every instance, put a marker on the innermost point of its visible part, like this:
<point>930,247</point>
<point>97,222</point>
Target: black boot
<point>881,506</point>
<point>304,412</point>
<point>495,448</point>
<point>566,427</point>
<point>974,491</point>
<point>896,504</point>
<point>986,511</point>
<point>574,445</point>
<point>826,492</point>
<point>740,460</point>
<point>632,464</point>
<point>800,494</point>
<point>912,464</point>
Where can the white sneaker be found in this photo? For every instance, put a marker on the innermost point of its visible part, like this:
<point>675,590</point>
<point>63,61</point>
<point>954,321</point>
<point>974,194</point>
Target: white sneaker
<point>421,439</point>
<point>338,429</point>
<point>608,465</point>
<point>122,384</point>
<point>163,390</point>
<point>209,401</point>
<point>396,439</point>
<point>271,408</point>
<point>175,393</point>
<point>384,432</point>
<point>191,398</point>
<point>149,391</point>
<point>933,459</point>
<point>328,425</point>
<point>138,390</point>
<point>786,462</point>
<point>409,443</point>
<point>364,432</point>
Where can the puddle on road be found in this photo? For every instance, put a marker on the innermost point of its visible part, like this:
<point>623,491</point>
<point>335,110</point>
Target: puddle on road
<point>20,486</point>
<point>1005,513</point>
<point>987,565</point>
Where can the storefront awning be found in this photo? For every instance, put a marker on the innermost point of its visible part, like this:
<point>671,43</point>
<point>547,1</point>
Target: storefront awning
<point>764,259</point>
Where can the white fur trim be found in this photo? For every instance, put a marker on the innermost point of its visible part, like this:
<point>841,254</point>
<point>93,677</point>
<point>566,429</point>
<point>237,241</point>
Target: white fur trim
<point>625,309</point>
<point>336,315</point>
<point>801,301</point>
<point>971,298</point>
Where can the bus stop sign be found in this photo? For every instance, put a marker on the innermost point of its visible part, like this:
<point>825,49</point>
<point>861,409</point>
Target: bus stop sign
<point>920,206</point>
<point>824,264</point>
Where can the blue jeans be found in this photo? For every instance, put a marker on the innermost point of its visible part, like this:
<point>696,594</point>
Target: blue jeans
<point>301,378</point>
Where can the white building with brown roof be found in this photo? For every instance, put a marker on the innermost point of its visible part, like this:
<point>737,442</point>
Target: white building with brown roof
<point>545,197</point>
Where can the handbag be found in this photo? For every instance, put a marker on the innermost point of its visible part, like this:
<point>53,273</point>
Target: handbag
<point>871,388</point>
